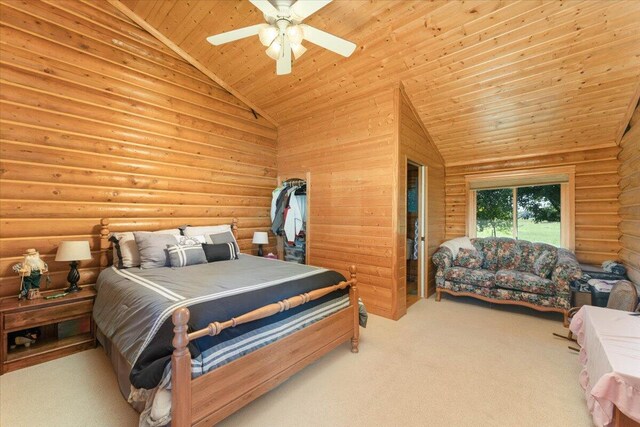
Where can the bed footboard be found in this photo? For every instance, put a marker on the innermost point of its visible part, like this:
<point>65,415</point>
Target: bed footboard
<point>213,403</point>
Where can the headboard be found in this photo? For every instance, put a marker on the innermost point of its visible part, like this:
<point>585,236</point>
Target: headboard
<point>105,243</point>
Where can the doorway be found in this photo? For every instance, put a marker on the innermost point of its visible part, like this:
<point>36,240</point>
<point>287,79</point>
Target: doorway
<point>415,226</point>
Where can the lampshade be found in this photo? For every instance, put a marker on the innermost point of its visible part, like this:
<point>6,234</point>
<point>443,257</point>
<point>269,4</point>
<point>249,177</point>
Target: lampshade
<point>268,34</point>
<point>73,251</point>
<point>260,238</point>
<point>298,50</point>
<point>274,50</point>
<point>295,34</point>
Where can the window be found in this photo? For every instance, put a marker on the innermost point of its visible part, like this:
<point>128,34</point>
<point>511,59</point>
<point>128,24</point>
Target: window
<point>534,205</point>
<point>529,213</point>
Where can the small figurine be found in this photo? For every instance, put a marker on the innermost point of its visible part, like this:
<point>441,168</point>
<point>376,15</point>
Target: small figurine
<point>25,338</point>
<point>31,271</point>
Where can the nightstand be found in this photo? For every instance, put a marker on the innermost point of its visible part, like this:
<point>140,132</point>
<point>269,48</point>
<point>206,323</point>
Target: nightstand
<point>65,323</point>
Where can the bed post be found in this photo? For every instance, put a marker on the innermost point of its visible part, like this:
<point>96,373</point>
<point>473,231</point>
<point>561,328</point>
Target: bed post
<point>104,243</point>
<point>180,370</point>
<point>234,227</point>
<point>353,296</point>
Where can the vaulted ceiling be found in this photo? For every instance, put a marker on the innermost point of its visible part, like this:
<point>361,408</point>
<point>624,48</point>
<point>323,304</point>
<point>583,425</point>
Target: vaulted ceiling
<point>489,78</point>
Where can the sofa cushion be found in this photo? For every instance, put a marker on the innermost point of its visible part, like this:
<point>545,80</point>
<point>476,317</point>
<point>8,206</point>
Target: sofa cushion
<point>508,254</point>
<point>527,253</point>
<point>483,278</point>
<point>523,281</point>
<point>544,264</point>
<point>468,258</point>
<point>490,253</point>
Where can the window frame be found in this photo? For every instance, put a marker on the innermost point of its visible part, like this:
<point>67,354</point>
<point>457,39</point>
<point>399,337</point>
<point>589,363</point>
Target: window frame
<point>520,178</point>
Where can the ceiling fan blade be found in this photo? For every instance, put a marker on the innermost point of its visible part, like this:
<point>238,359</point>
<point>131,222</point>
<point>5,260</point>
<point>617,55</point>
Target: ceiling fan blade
<point>302,9</point>
<point>265,7</point>
<point>328,41</point>
<point>283,65</point>
<point>231,36</point>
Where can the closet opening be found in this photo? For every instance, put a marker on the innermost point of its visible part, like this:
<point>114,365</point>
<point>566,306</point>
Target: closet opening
<point>415,236</point>
<point>289,218</point>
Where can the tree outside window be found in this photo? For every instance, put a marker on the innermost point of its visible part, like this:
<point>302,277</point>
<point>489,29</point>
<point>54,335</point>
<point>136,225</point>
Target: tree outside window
<point>538,213</point>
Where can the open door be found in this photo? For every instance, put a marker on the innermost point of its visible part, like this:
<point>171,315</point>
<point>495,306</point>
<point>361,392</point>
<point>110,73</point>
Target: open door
<point>415,211</point>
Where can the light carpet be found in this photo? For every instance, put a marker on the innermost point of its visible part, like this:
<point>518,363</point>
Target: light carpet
<point>459,362</point>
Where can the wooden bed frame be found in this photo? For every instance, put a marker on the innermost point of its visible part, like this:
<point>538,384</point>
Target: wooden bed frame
<point>208,399</point>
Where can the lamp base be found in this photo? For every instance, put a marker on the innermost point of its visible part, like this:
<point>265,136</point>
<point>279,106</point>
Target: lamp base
<point>260,253</point>
<point>73,288</point>
<point>73,277</point>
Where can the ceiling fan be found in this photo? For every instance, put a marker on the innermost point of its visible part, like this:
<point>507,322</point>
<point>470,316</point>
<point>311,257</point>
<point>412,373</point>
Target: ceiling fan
<point>284,32</point>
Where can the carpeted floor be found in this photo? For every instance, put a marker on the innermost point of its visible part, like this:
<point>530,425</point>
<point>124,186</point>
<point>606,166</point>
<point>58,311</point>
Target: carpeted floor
<point>455,363</point>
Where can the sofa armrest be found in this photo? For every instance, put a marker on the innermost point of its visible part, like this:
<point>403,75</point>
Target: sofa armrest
<point>443,259</point>
<point>567,270</point>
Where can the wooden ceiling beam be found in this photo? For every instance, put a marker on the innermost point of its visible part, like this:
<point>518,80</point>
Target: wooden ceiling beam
<point>628,114</point>
<point>191,60</point>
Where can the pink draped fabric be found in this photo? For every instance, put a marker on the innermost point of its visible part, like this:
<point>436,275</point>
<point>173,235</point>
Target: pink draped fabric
<point>610,356</point>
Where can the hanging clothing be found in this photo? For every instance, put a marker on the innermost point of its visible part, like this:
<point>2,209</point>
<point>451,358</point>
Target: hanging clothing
<point>416,240</point>
<point>294,219</point>
<point>281,204</point>
<point>274,200</point>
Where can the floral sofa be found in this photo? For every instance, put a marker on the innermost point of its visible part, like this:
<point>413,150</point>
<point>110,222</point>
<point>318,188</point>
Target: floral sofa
<point>509,271</point>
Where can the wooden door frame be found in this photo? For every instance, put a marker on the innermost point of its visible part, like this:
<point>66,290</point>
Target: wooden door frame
<point>279,241</point>
<point>423,266</point>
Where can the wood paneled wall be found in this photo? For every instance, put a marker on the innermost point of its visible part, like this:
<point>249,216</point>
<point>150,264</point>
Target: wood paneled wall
<point>415,144</point>
<point>348,151</point>
<point>629,197</point>
<point>596,198</point>
<point>99,119</point>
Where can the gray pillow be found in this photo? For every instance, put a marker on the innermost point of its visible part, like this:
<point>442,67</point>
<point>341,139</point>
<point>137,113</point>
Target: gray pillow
<point>153,249</point>
<point>224,237</point>
<point>184,255</point>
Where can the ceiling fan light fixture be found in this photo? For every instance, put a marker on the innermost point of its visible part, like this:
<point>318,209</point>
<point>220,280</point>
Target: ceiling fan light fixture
<point>268,34</point>
<point>298,50</point>
<point>295,34</point>
<point>274,50</point>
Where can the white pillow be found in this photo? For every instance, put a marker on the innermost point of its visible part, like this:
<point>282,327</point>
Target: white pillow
<point>456,244</point>
<point>126,243</point>
<point>206,231</point>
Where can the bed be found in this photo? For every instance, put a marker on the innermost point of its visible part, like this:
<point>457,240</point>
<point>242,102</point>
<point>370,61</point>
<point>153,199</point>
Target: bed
<point>195,344</point>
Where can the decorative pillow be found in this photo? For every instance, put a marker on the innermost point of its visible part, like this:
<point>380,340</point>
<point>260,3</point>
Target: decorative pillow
<point>184,255</point>
<point>224,237</point>
<point>544,264</point>
<point>206,231</point>
<point>220,252</point>
<point>191,241</point>
<point>125,249</point>
<point>468,258</point>
<point>153,249</point>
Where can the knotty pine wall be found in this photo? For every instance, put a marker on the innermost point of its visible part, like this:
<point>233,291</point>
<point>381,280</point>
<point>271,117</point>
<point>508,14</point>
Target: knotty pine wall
<point>348,151</point>
<point>629,198</point>
<point>415,144</point>
<point>99,119</point>
<point>596,198</point>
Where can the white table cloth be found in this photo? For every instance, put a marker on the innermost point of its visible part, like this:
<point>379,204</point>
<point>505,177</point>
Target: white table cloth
<point>610,355</point>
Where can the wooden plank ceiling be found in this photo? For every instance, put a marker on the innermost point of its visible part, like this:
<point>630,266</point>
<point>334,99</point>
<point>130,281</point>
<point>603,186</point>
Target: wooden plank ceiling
<point>490,79</point>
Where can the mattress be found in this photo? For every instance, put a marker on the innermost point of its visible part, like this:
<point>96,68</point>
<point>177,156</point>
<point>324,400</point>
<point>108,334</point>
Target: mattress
<point>133,311</point>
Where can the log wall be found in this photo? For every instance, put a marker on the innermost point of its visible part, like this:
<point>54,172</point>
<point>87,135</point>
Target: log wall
<point>348,152</point>
<point>596,198</point>
<point>99,119</point>
<point>629,198</point>
<point>415,144</point>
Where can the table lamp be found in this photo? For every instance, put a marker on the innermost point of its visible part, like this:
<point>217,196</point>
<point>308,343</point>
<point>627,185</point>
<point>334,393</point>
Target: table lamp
<point>73,251</point>
<point>260,238</point>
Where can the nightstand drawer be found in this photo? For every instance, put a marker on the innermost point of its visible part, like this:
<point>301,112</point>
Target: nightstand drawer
<point>31,318</point>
